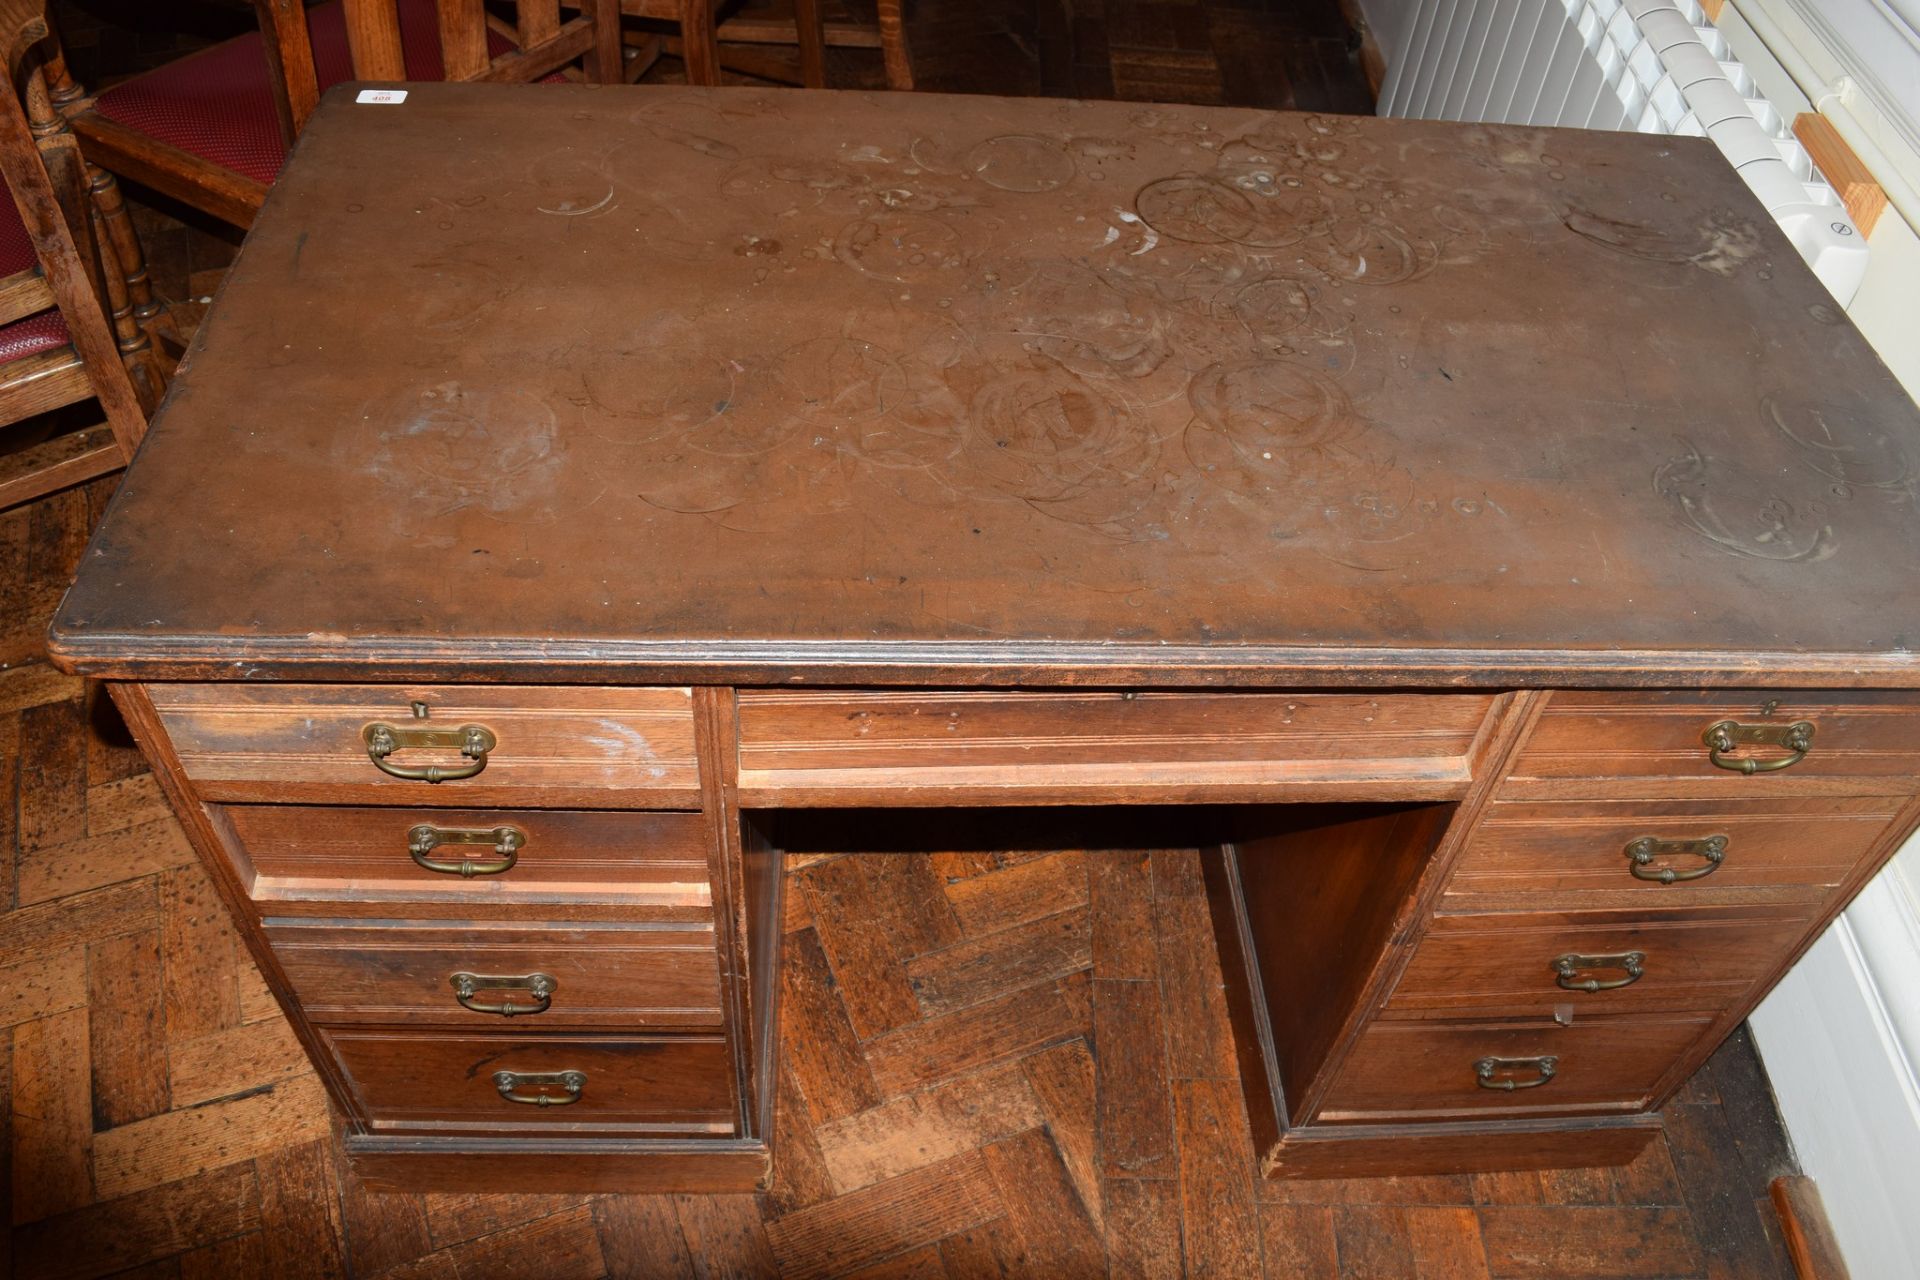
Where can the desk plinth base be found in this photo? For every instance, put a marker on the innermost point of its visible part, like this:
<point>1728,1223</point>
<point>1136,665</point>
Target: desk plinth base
<point>1408,1150</point>
<point>520,1165</point>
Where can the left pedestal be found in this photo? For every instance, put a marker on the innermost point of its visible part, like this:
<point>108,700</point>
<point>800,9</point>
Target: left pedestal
<point>520,930</point>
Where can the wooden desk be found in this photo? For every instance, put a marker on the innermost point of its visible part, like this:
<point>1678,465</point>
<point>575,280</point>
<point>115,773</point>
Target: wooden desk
<point>1411,502</point>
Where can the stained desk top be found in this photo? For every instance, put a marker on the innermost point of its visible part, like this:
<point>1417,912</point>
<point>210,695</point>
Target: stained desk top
<point>634,384</point>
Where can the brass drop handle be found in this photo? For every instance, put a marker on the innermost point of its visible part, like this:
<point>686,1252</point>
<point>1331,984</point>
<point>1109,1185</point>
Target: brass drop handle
<point>472,740</point>
<point>572,1084</point>
<point>466,986</point>
<point>1642,852</point>
<point>506,841</point>
<point>1486,1070</point>
<point>1566,969</point>
<point>1726,736</point>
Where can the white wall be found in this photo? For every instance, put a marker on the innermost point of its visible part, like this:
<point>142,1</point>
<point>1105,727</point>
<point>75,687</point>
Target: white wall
<point>1841,1034</point>
<point>1387,19</point>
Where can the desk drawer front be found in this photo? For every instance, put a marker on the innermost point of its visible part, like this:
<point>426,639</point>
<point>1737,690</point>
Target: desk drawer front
<point>410,1081</point>
<point>1560,854</point>
<point>598,747</point>
<point>1044,746</point>
<point>1872,740</point>
<point>1603,963</point>
<point>1420,1070</point>
<point>554,976</point>
<point>352,854</point>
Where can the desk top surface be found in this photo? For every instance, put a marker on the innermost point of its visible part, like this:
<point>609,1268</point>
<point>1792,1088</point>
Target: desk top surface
<point>573,382</point>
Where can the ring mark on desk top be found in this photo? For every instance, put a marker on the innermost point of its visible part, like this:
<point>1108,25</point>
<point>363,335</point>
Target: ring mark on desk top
<point>453,447</point>
<point>1062,444</point>
<point>1740,510</point>
<point>1265,405</point>
<point>1374,252</point>
<point>1022,162</point>
<point>468,281</point>
<point>1082,320</point>
<point>566,186</point>
<point>655,389</point>
<point>1840,444</point>
<point>903,246</point>
<point>1721,246</point>
<point>1201,209</point>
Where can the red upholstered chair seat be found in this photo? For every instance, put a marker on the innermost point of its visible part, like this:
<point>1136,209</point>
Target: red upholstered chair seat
<point>37,333</point>
<point>218,104</point>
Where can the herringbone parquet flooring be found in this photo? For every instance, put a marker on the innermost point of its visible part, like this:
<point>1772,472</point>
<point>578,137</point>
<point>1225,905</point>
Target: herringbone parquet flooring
<point>999,1064</point>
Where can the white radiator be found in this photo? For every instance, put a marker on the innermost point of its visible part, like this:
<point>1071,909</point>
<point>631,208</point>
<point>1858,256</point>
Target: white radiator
<point>1655,66</point>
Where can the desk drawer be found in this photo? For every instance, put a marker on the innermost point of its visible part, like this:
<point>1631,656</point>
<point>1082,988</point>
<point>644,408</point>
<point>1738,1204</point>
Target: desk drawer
<point>1704,961</point>
<point>361,854</point>
<point>1424,1070</point>
<point>1868,741</point>
<point>1574,854</point>
<point>556,976</point>
<point>582,747</point>
<point>800,747</point>
<point>406,1080</point>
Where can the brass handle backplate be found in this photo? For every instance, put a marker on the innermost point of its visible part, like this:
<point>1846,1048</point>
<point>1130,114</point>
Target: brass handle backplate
<point>506,841</point>
<point>1567,968</point>
<point>472,740</point>
<point>1486,1070</point>
<point>1724,737</point>
<point>1642,852</point>
<point>466,986</point>
<point>571,1084</point>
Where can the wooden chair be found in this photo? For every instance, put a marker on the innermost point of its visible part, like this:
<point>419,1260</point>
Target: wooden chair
<point>703,30</point>
<point>212,129</point>
<point>67,332</point>
<point>814,34</point>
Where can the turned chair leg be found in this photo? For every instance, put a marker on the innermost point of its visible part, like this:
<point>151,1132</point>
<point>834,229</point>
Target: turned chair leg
<point>700,41</point>
<point>893,45</point>
<point>812,32</point>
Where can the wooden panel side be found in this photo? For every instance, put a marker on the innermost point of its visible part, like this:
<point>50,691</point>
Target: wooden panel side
<point>1247,1007</point>
<point>1321,900</point>
<point>717,735</point>
<point>1509,723</point>
<point>143,721</point>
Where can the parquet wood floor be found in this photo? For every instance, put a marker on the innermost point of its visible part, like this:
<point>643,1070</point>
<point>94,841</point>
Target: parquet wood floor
<point>999,1064</point>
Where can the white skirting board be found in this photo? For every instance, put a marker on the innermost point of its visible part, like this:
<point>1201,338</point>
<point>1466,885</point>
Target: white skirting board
<point>1840,1037</point>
